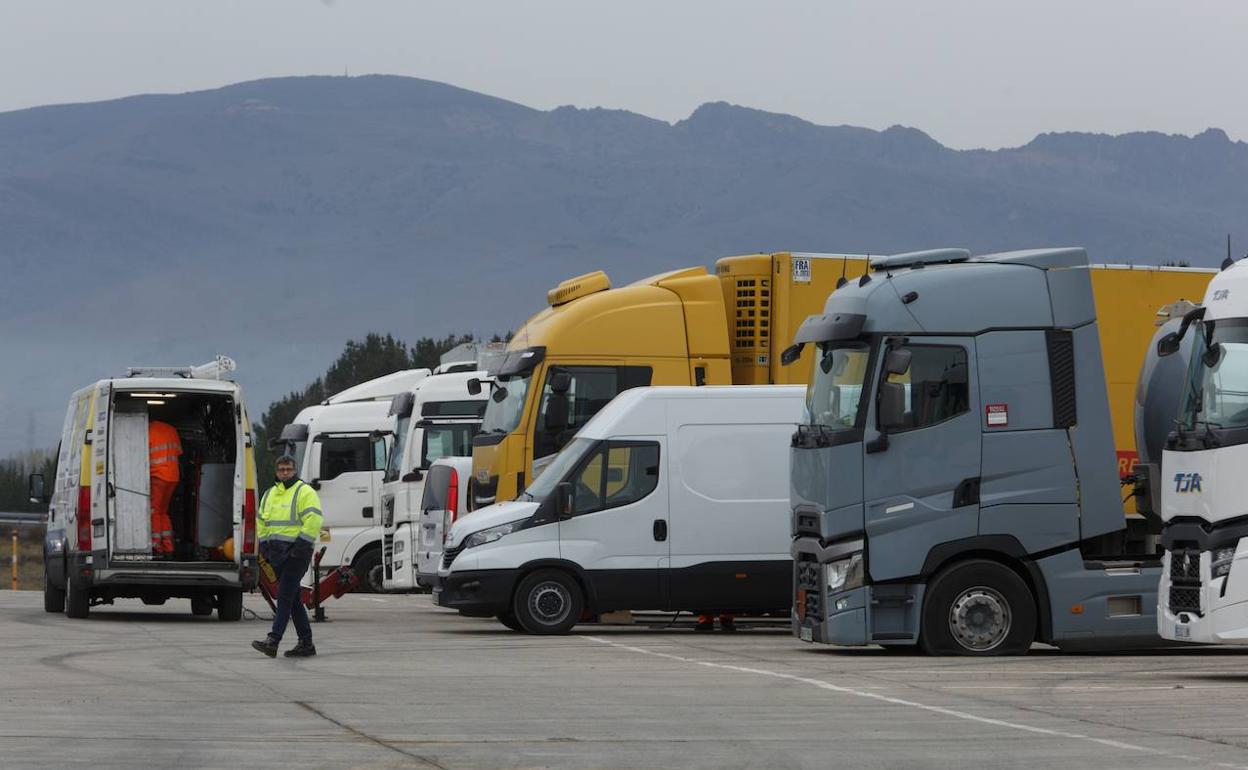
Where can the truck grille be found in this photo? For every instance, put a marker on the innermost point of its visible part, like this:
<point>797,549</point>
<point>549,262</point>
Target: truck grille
<point>449,555</point>
<point>1185,580</point>
<point>387,513</point>
<point>809,599</point>
<point>387,554</point>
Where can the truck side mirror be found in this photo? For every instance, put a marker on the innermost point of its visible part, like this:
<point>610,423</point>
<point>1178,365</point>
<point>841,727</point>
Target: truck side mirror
<point>556,413</point>
<point>892,406</point>
<point>413,475</point>
<point>376,436</point>
<point>1212,355</point>
<point>1168,345</point>
<point>275,444</point>
<point>499,395</point>
<point>474,386</point>
<point>791,353</point>
<point>560,381</point>
<point>563,499</point>
<point>35,488</point>
<point>897,361</point>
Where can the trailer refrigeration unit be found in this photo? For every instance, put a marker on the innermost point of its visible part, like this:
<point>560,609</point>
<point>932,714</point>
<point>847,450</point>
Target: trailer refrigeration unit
<point>955,484</point>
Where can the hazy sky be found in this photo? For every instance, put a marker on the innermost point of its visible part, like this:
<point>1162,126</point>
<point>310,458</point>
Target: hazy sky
<point>991,73</point>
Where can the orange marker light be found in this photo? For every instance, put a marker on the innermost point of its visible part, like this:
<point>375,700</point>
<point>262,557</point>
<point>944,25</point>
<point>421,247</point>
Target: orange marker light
<point>1076,609</point>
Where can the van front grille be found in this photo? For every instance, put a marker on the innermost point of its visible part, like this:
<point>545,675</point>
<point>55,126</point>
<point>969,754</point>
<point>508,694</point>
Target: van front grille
<point>449,555</point>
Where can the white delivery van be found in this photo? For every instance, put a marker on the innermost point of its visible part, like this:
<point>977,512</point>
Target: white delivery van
<point>444,500</point>
<point>340,447</point>
<point>98,545</point>
<point>436,418</point>
<point>670,498</point>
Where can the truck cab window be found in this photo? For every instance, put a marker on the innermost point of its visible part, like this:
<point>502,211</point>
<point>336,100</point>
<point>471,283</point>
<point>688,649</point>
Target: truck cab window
<point>936,385</point>
<point>571,395</point>
<point>449,440</point>
<point>346,454</point>
<point>617,473</point>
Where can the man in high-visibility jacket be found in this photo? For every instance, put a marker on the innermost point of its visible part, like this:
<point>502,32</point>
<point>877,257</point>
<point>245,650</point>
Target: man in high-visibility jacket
<point>287,526</point>
<point>164,448</point>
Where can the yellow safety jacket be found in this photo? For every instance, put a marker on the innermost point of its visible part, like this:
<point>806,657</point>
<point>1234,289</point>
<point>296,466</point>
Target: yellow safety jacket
<point>288,515</point>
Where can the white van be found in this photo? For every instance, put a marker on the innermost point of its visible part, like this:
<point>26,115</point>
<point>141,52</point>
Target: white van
<point>335,449</point>
<point>436,418</point>
<point>444,500</point>
<point>670,498</point>
<point>98,545</point>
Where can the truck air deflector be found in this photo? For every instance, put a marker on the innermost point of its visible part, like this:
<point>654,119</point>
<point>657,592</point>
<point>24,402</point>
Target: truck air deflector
<point>919,259</point>
<point>520,361</point>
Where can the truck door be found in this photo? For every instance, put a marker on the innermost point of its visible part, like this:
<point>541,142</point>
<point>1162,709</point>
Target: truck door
<point>618,528</point>
<point>348,470</point>
<point>921,475</point>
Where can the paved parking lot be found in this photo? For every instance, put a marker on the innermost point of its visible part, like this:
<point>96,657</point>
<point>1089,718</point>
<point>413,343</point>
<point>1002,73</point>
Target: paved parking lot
<point>402,684</point>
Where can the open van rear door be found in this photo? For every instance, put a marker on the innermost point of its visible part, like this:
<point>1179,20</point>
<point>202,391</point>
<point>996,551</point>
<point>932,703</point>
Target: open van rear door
<point>129,479</point>
<point>101,489</point>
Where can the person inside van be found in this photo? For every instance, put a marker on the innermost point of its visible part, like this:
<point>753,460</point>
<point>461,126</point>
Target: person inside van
<point>164,448</point>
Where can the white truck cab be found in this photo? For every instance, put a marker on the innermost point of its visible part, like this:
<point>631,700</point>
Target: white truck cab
<point>670,498</point>
<point>340,447</point>
<point>436,418</point>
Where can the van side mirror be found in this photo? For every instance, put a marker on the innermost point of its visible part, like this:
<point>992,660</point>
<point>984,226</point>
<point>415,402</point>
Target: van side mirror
<point>892,406</point>
<point>474,386</point>
<point>563,499</point>
<point>560,381</point>
<point>897,361</point>
<point>35,488</point>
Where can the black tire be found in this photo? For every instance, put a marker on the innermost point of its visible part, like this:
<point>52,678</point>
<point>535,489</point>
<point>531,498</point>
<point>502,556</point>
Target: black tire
<point>53,597</point>
<point>509,620</point>
<point>230,605</point>
<point>978,608</point>
<point>77,600</point>
<point>201,606</point>
<point>548,602</point>
<point>369,567</point>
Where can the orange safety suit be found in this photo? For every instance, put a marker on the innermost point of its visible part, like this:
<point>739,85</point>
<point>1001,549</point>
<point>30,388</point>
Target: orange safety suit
<point>164,447</point>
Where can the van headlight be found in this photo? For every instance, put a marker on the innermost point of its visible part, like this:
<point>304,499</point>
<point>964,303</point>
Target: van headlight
<point>844,574</point>
<point>1222,558</point>
<point>493,533</point>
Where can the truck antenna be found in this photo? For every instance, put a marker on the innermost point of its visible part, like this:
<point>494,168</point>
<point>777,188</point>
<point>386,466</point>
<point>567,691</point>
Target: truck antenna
<point>1229,259</point>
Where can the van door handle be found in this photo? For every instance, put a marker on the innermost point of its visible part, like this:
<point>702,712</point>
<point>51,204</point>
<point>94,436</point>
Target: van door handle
<point>660,530</point>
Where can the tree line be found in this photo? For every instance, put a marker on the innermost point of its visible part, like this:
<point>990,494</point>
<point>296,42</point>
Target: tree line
<point>14,476</point>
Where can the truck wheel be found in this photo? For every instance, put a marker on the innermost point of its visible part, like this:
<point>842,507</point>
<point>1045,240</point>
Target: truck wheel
<point>368,566</point>
<point>548,602</point>
<point>230,605</point>
<point>978,608</point>
<point>201,606</point>
<point>77,600</point>
<point>53,597</point>
<point>509,620</point>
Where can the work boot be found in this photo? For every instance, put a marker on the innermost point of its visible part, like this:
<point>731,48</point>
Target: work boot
<point>301,650</point>
<point>268,646</point>
<point>705,625</point>
<point>727,624</point>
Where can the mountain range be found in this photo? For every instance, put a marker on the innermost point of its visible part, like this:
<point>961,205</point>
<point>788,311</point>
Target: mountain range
<point>274,220</point>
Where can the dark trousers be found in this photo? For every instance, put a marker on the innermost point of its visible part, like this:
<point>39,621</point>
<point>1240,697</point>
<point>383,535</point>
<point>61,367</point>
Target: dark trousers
<point>290,561</point>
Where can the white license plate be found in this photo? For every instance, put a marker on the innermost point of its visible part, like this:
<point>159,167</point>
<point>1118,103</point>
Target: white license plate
<point>806,634</point>
<point>1182,632</point>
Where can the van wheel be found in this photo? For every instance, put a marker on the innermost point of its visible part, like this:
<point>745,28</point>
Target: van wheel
<point>201,606</point>
<point>978,608</point>
<point>509,620</point>
<point>548,602</point>
<point>53,597</point>
<point>368,566</point>
<point>230,605</point>
<point>77,600</point>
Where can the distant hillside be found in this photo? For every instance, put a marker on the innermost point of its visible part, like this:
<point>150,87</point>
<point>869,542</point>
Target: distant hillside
<point>301,212</point>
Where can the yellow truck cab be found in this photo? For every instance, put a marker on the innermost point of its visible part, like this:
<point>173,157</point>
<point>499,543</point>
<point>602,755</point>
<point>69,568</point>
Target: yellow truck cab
<point>684,327</point>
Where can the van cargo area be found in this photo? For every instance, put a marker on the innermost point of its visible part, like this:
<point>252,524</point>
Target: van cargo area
<point>203,505</point>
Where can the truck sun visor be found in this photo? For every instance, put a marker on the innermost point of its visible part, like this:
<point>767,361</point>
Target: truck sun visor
<point>830,326</point>
<point>520,361</point>
<point>294,432</point>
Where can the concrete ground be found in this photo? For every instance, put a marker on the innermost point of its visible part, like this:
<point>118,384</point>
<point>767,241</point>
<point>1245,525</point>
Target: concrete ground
<point>402,684</point>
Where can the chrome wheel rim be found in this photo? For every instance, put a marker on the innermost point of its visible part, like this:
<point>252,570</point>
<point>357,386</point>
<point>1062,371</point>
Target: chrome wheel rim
<point>980,619</point>
<point>549,603</point>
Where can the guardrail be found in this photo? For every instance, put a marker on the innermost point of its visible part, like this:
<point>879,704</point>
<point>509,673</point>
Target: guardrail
<point>21,518</point>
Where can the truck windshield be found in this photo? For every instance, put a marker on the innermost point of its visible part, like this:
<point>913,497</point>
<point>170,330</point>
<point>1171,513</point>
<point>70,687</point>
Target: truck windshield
<point>1216,397</point>
<point>565,461</point>
<point>394,468</point>
<point>836,388</point>
<point>503,416</point>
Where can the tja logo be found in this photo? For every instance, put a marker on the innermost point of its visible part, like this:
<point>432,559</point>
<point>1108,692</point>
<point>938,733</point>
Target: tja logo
<point>1187,482</point>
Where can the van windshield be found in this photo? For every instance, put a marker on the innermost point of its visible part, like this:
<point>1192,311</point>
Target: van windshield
<point>559,468</point>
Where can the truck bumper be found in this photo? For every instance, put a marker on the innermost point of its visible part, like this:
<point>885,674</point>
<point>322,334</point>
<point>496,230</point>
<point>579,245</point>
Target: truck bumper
<point>845,623</point>
<point>1218,619</point>
<point>477,593</point>
<point>398,566</point>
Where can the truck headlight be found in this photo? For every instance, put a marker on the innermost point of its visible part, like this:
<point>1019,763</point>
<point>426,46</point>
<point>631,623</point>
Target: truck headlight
<point>844,574</point>
<point>493,533</point>
<point>1222,558</point>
